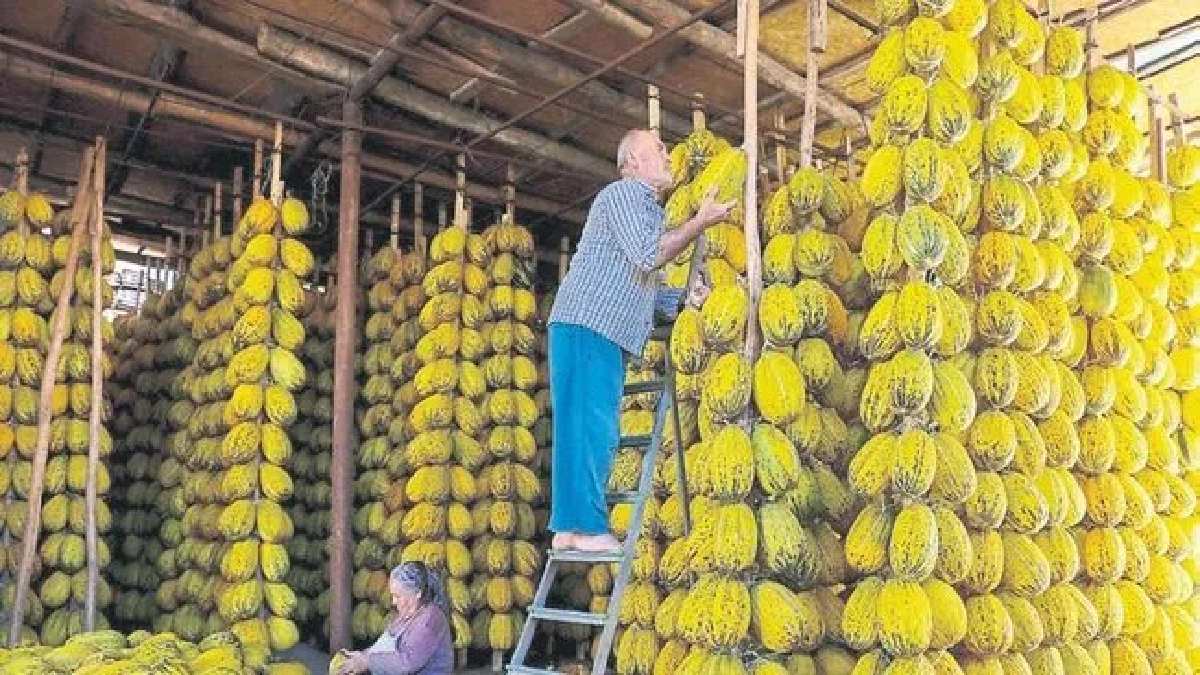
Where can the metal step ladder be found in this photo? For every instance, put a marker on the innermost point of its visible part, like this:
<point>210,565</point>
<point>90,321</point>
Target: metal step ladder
<point>538,611</point>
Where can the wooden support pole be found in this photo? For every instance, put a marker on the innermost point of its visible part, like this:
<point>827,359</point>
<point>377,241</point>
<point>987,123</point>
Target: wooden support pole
<point>394,226</point>
<point>257,167</point>
<point>218,206</point>
<point>816,46</point>
<point>1092,43</point>
<point>697,106</point>
<point>510,194</point>
<point>654,108</point>
<point>277,166</point>
<point>1177,120</point>
<point>1158,137</point>
<point>564,257</point>
<point>750,210</point>
<point>80,212</point>
<point>419,219</point>
<point>96,226</point>
<point>460,190</point>
<point>778,141</point>
<point>344,347</point>
<point>237,195</point>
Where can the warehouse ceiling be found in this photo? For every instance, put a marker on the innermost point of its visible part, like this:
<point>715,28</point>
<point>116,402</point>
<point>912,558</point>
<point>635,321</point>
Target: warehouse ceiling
<point>463,68</point>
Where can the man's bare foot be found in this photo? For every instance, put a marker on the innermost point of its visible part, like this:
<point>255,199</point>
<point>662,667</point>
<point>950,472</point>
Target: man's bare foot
<point>563,541</point>
<point>596,543</point>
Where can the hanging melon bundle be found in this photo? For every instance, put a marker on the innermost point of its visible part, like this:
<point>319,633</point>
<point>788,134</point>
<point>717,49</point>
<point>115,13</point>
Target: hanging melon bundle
<point>378,488</point>
<point>909,544</point>
<point>188,476</point>
<point>262,377</point>
<point>147,365</point>
<point>1183,180</point>
<point>312,455</point>
<point>1167,337</point>
<point>507,560</point>
<point>26,260</point>
<point>1110,400</point>
<point>64,582</point>
<point>445,425</point>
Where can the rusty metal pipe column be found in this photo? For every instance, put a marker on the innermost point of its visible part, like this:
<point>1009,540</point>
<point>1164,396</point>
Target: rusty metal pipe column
<point>344,345</point>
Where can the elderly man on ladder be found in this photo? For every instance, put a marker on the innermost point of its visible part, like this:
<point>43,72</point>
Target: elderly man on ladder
<point>603,312</point>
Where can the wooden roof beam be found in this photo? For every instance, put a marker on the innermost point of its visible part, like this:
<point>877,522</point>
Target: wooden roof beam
<point>721,44</point>
<point>327,64</point>
<point>381,65</point>
<point>492,48</point>
<point>244,127</point>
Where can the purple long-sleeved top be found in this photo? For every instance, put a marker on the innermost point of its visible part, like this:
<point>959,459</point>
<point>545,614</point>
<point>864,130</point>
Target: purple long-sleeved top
<point>420,645</point>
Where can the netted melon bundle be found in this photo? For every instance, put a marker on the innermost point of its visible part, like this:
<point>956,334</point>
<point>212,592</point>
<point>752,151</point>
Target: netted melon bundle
<point>508,483</point>
<point>379,487</point>
<point>751,577</point>
<point>63,582</point>
<point>262,377</point>
<point>700,163</point>
<point>1124,423</point>
<point>312,454</point>
<point>26,260</point>
<point>147,365</point>
<point>445,431</point>
<point>108,652</point>
<point>190,475</point>
<point>17,208</point>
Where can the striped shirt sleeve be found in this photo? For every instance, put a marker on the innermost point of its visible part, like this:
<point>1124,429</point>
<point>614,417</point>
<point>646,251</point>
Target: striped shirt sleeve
<point>634,224</point>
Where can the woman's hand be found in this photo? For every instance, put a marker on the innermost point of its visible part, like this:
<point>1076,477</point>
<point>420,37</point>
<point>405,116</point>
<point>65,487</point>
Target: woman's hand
<point>355,663</point>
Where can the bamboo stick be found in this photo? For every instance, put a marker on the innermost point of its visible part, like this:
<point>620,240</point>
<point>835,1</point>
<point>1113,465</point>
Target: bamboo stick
<point>654,108</point>
<point>750,210</point>
<point>80,212</point>
<point>96,226</point>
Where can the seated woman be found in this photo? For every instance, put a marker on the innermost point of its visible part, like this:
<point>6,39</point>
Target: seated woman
<point>418,640</point>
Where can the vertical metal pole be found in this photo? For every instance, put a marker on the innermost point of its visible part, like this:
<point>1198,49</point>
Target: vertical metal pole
<point>345,339</point>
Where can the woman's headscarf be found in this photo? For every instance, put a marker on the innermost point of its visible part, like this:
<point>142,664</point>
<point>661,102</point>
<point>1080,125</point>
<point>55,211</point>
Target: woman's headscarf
<point>425,582</point>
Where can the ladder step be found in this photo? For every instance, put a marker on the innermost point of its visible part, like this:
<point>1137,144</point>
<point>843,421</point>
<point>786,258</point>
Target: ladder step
<point>528,670</point>
<point>622,497</point>
<point>585,556</point>
<point>649,386</point>
<point>634,441</point>
<point>567,616</point>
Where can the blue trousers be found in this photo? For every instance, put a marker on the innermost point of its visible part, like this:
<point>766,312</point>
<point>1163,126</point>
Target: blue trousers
<point>587,374</point>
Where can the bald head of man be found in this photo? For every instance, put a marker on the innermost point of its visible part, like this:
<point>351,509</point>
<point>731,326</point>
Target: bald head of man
<point>641,154</point>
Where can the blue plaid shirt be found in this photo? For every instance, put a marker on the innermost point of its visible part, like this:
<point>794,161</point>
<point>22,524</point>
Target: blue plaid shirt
<point>612,286</point>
